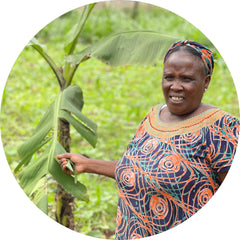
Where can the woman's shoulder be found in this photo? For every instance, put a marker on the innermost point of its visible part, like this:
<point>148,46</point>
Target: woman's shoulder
<point>225,114</point>
<point>156,108</point>
<point>230,120</point>
<point>222,113</point>
<point>226,121</point>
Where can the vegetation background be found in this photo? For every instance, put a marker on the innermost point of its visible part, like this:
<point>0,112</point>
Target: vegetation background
<point>115,98</point>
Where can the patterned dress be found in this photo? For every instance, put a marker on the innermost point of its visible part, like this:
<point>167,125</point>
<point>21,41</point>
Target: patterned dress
<point>169,171</point>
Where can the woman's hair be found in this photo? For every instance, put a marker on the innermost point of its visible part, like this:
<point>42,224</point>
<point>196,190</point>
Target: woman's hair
<point>195,49</point>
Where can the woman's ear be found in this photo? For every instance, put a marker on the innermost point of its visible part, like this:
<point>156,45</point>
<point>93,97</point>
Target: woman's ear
<point>207,81</point>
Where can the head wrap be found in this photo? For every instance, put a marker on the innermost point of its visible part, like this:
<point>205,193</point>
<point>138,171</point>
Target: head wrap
<point>204,52</point>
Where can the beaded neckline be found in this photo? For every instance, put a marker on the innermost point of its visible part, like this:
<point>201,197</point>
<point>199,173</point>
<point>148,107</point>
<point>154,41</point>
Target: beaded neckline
<point>157,127</point>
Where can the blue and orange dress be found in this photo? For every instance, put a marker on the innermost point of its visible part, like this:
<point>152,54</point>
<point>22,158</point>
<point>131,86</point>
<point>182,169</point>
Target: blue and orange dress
<point>169,171</point>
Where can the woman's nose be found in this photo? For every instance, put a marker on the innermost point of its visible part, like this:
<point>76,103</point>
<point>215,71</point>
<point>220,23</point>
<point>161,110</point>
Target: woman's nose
<point>176,86</point>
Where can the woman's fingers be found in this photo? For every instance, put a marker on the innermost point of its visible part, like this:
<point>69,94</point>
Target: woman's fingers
<point>64,155</point>
<point>78,160</point>
<point>71,156</point>
<point>63,163</point>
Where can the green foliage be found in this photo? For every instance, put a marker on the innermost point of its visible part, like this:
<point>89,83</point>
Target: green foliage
<point>115,98</point>
<point>68,105</point>
<point>70,45</point>
<point>127,48</point>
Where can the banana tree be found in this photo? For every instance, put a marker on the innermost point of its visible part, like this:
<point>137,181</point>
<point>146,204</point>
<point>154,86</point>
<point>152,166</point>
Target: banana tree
<point>52,135</point>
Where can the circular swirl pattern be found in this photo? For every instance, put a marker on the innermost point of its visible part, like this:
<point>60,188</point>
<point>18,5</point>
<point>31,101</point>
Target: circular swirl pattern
<point>159,206</point>
<point>192,137</point>
<point>127,178</point>
<point>139,230</point>
<point>204,196</point>
<point>170,163</point>
<point>149,146</point>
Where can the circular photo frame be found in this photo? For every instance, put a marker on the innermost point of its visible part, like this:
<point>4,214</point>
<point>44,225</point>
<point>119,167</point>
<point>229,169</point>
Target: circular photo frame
<point>113,90</point>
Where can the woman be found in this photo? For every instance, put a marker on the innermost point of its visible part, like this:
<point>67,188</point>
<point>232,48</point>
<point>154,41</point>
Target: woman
<point>179,155</point>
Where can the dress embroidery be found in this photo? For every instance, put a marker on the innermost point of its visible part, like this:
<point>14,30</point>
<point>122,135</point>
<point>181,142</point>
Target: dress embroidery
<point>169,171</point>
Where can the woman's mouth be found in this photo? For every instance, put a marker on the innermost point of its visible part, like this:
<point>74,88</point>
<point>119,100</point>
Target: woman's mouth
<point>176,99</point>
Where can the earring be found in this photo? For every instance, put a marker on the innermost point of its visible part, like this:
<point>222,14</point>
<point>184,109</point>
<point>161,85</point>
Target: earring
<point>205,89</point>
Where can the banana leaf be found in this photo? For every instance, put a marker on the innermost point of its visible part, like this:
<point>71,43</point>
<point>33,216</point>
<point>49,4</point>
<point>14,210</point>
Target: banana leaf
<point>68,105</point>
<point>32,173</point>
<point>39,195</point>
<point>37,140</point>
<point>127,48</point>
<point>72,101</point>
<point>78,190</point>
<point>73,35</point>
<point>86,132</point>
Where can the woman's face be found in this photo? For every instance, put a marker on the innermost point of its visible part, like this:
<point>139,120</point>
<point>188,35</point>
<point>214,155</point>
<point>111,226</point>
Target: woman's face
<point>184,82</point>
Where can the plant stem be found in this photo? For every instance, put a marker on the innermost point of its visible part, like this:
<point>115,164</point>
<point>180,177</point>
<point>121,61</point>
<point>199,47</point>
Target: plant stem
<point>52,64</point>
<point>69,70</point>
<point>86,12</point>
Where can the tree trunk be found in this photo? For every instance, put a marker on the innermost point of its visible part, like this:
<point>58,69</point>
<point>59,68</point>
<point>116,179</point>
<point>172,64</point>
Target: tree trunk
<point>64,206</point>
<point>64,200</point>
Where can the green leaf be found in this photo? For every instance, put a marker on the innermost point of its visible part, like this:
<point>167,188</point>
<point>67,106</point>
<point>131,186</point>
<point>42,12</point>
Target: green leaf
<point>77,58</point>
<point>25,161</point>
<point>71,166</point>
<point>128,48</point>
<point>70,69</point>
<point>39,195</point>
<point>72,101</point>
<point>135,47</point>
<point>31,174</point>
<point>86,132</point>
<point>77,29</point>
<point>55,131</point>
<point>78,190</point>
<point>43,204</point>
<point>69,100</point>
<point>34,143</point>
<point>71,106</point>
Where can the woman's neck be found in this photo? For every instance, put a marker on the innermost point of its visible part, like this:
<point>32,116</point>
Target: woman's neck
<point>166,116</point>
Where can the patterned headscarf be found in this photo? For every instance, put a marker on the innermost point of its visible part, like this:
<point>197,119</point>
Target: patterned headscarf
<point>206,54</point>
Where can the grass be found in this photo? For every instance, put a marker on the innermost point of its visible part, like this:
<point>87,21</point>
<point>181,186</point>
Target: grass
<point>115,98</point>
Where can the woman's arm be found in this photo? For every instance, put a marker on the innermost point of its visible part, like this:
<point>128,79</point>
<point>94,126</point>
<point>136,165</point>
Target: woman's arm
<point>222,176</point>
<point>88,165</point>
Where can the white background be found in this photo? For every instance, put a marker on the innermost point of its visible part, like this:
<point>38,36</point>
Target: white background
<point>20,21</point>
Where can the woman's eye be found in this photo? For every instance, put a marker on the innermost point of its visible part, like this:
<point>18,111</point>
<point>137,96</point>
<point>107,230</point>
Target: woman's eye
<point>169,78</point>
<point>187,79</point>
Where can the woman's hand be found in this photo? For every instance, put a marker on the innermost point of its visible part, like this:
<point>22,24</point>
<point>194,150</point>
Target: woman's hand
<point>79,161</point>
<point>87,165</point>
